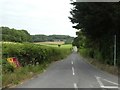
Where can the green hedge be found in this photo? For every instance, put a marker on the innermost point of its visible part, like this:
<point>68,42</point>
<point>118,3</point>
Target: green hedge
<point>32,54</point>
<point>104,57</point>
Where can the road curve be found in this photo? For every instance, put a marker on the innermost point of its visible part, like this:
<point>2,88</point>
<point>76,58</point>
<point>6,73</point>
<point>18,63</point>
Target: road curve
<point>72,72</point>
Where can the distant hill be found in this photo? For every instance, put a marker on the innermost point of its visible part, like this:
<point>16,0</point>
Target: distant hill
<point>14,35</point>
<point>52,38</point>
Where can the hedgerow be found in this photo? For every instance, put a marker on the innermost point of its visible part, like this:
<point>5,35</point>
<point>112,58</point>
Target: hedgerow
<point>33,59</point>
<point>30,53</point>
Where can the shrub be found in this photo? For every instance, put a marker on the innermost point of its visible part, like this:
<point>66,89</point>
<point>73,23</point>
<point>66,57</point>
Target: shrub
<point>6,67</point>
<point>28,53</point>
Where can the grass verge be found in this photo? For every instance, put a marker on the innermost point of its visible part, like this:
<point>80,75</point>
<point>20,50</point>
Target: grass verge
<point>21,74</point>
<point>105,67</point>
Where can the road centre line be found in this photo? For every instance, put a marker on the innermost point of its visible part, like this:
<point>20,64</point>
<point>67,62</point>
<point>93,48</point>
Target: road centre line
<point>72,62</point>
<point>75,85</point>
<point>73,70</point>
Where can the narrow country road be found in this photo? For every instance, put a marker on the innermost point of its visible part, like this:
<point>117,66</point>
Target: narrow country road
<point>72,72</point>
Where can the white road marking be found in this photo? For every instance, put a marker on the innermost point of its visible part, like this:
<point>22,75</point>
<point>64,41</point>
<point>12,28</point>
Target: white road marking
<point>98,80</point>
<point>110,81</point>
<point>109,86</point>
<point>101,84</point>
<point>73,71</point>
<point>75,85</point>
<point>72,62</point>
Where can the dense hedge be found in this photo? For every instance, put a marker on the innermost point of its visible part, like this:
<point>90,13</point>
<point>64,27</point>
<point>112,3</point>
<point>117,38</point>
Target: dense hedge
<point>32,54</point>
<point>33,58</point>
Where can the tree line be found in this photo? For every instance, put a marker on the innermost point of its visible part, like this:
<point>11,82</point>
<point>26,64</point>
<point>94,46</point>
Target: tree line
<point>43,38</point>
<point>14,35</point>
<point>98,23</point>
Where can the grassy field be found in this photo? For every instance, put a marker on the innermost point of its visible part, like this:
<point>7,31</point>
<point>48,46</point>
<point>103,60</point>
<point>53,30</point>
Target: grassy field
<point>62,46</point>
<point>55,44</point>
<point>43,43</point>
<point>50,44</point>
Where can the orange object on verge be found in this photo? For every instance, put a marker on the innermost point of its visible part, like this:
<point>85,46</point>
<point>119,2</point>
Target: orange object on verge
<point>14,62</point>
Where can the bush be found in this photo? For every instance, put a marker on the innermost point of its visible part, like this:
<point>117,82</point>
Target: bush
<point>97,55</point>
<point>87,52</point>
<point>30,54</point>
<point>6,67</point>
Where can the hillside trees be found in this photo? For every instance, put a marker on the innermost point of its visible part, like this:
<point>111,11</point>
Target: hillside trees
<point>98,22</point>
<point>15,35</point>
<point>44,38</point>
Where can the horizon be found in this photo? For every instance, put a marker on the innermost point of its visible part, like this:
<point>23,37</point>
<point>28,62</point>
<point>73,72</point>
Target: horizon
<point>37,33</point>
<point>53,34</point>
<point>38,16</point>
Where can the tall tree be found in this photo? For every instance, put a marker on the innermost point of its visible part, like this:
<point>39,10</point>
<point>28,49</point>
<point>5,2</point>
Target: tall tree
<point>15,35</point>
<point>98,22</point>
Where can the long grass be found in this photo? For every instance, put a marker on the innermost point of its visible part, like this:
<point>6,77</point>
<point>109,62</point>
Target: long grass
<point>21,74</point>
<point>97,61</point>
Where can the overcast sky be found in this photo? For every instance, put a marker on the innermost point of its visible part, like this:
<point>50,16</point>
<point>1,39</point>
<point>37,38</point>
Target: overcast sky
<point>97,0</point>
<point>37,16</point>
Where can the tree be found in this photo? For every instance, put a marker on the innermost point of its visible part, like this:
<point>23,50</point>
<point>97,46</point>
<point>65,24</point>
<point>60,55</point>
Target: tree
<point>43,38</point>
<point>15,35</point>
<point>98,22</point>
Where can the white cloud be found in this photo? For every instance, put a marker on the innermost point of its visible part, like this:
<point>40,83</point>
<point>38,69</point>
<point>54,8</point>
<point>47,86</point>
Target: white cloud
<point>37,16</point>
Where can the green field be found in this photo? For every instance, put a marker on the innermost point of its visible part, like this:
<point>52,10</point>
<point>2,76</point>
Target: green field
<point>62,46</point>
<point>55,44</point>
<point>50,44</point>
